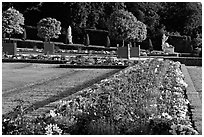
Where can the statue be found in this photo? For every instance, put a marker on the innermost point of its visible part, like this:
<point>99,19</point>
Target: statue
<point>166,45</point>
<point>69,35</point>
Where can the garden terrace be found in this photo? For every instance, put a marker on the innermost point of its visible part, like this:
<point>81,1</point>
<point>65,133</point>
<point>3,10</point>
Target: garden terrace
<point>147,98</point>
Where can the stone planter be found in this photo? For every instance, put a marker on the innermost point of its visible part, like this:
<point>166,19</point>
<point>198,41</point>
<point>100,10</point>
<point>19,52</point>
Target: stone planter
<point>169,50</point>
<point>135,51</point>
<point>123,52</point>
<point>49,48</point>
<point>10,48</point>
<point>128,52</point>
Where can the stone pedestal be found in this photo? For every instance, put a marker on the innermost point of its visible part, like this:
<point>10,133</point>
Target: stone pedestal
<point>128,52</point>
<point>169,50</point>
<point>70,39</point>
<point>123,52</point>
<point>48,48</point>
<point>10,48</point>
<point>135,51</point>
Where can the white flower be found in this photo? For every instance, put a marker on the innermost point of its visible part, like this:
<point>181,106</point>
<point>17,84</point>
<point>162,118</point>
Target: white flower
<point>181,82</point>
<point>166,115</point>
<point>182,114</point>
<point>57,129</point>
<point>153,105</point>
<point>52,113</point>
<point>50,129</point>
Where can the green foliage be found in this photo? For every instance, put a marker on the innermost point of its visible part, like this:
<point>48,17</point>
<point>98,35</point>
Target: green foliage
<point>12,21</point>
<point>146,12</point>
<point>123,25</point>
<point>140,32</point>
<point>48,28</point>
<point>181,16</point>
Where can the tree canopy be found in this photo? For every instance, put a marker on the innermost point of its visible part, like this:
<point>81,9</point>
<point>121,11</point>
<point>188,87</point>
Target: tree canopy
<point>181,17</point>
<point>12,21</point>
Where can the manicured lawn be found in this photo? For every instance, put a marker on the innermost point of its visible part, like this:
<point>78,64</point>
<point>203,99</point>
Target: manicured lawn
<point>196,76</point>
<point>16,75</point>
<point>40,84</point>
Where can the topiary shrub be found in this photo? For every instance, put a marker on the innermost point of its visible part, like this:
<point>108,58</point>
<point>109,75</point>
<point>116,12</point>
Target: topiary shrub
<point>123,25</point>
<point>12,22</point>
<point>48,28</point>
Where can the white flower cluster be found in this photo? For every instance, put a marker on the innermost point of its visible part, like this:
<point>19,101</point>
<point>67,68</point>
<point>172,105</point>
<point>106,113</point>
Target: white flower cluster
<point>53,129</point>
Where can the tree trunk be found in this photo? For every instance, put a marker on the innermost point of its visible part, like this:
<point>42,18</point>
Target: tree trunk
<point>123,45</point>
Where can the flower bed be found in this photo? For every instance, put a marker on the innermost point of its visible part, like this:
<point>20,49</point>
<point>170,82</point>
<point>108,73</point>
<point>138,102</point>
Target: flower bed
<point>70,61</point>
<point>147,98</point>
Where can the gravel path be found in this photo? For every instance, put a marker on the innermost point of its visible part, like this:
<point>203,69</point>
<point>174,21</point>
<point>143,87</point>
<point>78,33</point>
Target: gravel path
<point>53,88</point>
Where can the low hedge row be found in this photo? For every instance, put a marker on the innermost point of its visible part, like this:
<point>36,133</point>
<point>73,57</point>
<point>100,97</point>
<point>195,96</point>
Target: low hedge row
<point>147,98</point>
<point>94,66</point>
<point>188,61</point>
<point>34,61</point>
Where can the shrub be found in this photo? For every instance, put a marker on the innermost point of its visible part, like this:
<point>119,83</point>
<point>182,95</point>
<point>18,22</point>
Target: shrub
<point>123,25</point>
<point>12,21</point>
<point>48,28</point>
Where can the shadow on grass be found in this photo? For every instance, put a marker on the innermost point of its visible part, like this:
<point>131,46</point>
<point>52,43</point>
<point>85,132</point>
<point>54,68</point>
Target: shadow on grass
<point>65,93</point>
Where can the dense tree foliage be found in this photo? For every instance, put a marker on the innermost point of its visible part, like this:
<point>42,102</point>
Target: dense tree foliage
<point>146,12</point>
<point>12,22</point>
<point>48,28</point>
<point>181,17</point>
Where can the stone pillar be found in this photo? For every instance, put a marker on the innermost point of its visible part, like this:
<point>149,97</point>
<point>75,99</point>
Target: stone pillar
<point>48,48</point>
<point>10,48</point>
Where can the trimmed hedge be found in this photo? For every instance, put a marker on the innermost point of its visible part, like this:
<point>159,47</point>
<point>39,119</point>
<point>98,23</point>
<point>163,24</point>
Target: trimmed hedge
<point>34,61</point>
<point>97,37</point>
<point>95,66</point>
<point>188,61</point>
<point>182,44</point>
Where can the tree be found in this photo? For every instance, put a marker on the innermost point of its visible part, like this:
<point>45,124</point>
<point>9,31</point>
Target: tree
<point>123,25</point>
<point>181,16</point>
<point>146,12</point>
<point>195,17</point>
<point>12,22</point>
<point>48,28</point>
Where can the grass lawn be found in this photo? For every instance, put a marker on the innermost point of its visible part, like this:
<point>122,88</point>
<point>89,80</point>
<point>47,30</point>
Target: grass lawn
<point>40,84</point>
<point>16,75</point>
<point>196,76</point>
